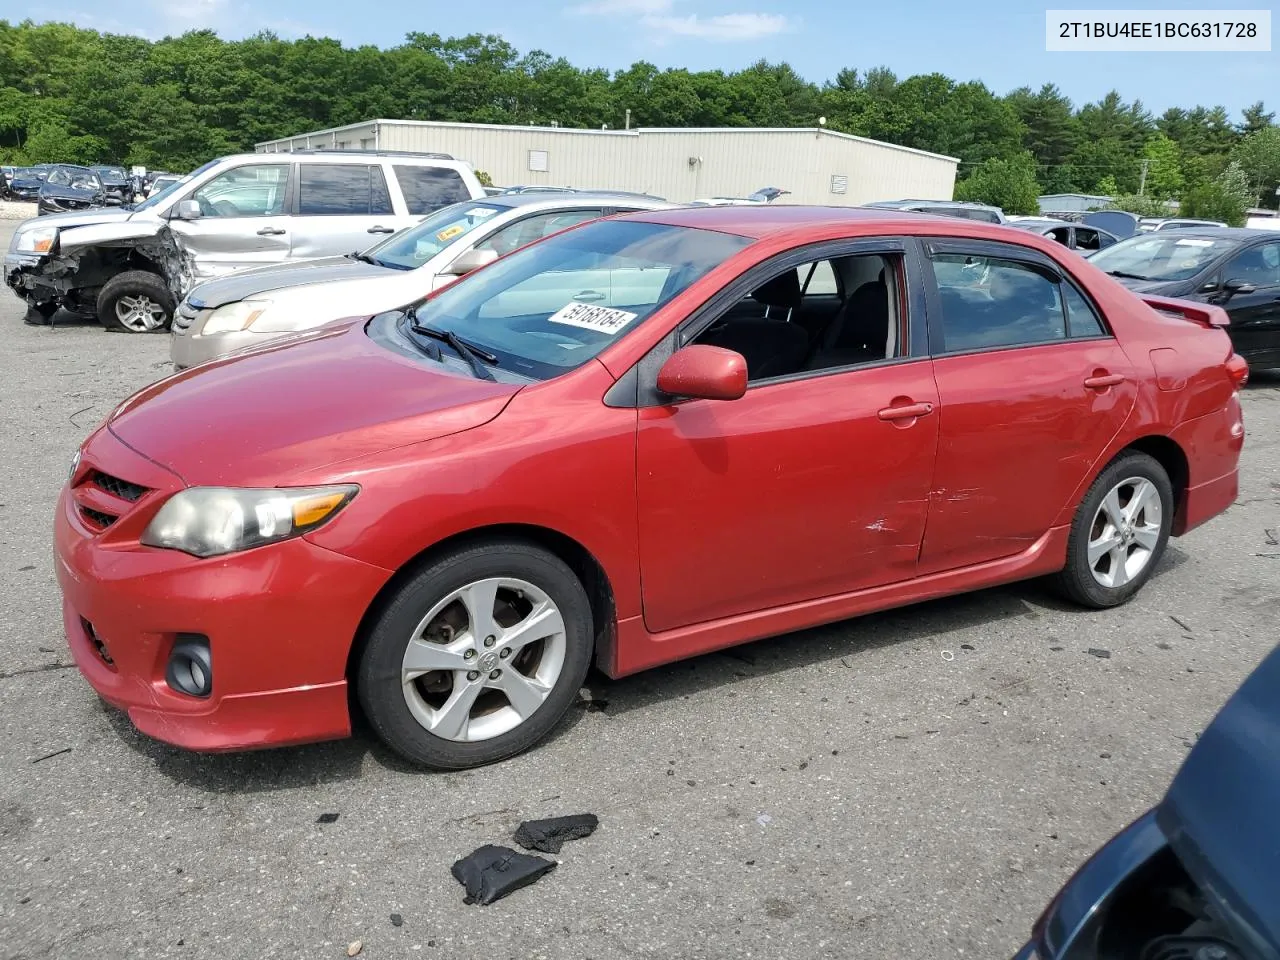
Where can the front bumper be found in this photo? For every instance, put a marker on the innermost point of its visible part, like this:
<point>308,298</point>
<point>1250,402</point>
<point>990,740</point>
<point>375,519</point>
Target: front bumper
<point>186,349</point>
<point>279,620</point>
<point>20,272</point>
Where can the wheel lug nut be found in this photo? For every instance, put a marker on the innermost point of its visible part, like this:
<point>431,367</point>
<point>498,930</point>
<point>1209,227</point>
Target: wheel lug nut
<point>473,675</point>
<point>469,655</point>
<point>506,652</point>
<point>490,641</point>
<point>495,674</point>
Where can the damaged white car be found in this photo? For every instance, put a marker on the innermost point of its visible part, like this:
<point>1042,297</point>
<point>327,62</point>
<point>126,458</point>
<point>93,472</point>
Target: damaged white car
<point>130,266</point>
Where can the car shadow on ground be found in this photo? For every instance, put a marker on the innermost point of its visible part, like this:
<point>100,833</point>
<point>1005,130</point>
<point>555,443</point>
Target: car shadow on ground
<point>835,645</point>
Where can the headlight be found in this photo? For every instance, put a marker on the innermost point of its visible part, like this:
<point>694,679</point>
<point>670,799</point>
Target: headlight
<point>234,317</point>
<point>35,239</point>
<point>208,521</point>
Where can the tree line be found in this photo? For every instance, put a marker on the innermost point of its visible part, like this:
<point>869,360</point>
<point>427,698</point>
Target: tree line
<point>76,95</point>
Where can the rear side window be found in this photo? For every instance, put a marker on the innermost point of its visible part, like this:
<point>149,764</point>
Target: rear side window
<point>1082,321</point>
<point>989,303</point>
<point>427,189</point>
<point>342,189</point>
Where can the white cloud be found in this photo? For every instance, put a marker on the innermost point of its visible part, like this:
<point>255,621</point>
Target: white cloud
<point>191,14</point>
<point>726,27</point>
<point>660,17</point>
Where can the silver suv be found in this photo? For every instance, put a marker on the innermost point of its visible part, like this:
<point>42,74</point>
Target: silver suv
<point>131,265</point>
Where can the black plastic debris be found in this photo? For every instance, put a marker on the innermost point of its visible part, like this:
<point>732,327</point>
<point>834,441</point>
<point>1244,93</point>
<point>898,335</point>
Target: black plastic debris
<point>548,836</point>
<point>1099,653</point>
<point>397,920</point>
<point>492,873</point>
<point>327,818</point>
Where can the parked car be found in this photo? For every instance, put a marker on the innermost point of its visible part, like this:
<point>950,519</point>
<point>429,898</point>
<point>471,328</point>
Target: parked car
<point>131,266</point>
<point>256,306</point>
<point>1152,224</point>
<point>69,188</point>
<point>1074,236</point>
<point>1237,269</point>
<point>963,209</point>
<point>26,183</point>
<point>161,183</point>
<point>1198,876</point>
<point>117,183</point>
<point>762,196</point>
<point>641,439</point>
<point>6,175</point>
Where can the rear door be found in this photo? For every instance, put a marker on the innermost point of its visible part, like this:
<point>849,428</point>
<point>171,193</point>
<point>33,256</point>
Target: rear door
<point>1032,388</point>
<point>340,208</point>
<point>243,219</point>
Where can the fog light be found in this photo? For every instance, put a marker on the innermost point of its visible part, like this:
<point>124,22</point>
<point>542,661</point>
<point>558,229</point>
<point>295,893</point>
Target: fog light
<point>190,669</point>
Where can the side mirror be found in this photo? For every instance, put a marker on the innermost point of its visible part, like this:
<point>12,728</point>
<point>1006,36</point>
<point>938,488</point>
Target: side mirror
<point>1236,285</point>
<point>704,372</point>
<point>188,210</point>
<point>471,261</point>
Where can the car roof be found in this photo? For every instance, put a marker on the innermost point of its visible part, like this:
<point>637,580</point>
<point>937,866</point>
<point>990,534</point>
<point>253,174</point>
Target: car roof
<point>758,221</point>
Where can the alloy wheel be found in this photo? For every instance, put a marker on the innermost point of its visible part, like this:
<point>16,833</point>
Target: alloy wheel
<point>1125,532</point>
<point>140,313</point>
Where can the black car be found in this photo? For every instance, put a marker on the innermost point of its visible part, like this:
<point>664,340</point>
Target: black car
<point>1236,268</point>
<point>27,181</point>
<point>68,188</point>
<point>1074,236</point>
<point>116,183</point>
<point>1198,877</point>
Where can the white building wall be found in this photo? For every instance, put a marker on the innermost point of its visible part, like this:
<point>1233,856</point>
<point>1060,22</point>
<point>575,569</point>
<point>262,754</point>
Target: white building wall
<point>679,164</point>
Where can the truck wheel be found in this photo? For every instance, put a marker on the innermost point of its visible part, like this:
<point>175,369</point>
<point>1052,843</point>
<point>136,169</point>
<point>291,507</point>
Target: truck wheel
<point>135,302</point>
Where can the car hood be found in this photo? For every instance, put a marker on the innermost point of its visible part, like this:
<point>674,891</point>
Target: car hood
<point>1220,812</point>
<point>264,417</point>
<point>107,215</point>
<point>249,283</point>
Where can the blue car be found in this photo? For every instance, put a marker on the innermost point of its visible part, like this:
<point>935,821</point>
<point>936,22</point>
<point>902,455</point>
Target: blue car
<point>1198,877</point>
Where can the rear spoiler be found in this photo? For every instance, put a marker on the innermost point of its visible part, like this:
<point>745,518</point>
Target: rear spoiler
<point>1204,314</point>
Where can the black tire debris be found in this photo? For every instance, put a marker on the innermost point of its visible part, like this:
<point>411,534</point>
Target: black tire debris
<point>548,836</point>
<point>492,872</point>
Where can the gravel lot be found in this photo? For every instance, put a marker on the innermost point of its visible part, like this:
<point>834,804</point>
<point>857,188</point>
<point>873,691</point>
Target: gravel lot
<point>915,784</point>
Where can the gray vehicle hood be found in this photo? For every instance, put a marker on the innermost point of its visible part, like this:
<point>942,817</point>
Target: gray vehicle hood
<point>101,215</point>
<point>249,283</point>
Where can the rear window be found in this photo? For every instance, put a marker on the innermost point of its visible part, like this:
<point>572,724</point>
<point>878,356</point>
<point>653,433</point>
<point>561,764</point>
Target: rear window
<point>427,189</point>
<point>342,189</point>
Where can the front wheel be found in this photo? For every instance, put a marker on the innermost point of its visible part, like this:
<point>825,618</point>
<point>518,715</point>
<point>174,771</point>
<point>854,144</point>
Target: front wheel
<point>136,302</point>
<point>1119,532</point>
<point>478,656</point>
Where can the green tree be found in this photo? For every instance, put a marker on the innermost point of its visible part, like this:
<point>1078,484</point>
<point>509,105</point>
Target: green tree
<point>1009,184</point>
<point>1143,205</point>
<point>1164,168</point>
<point>1225,198</point>
<point>1258,156</point>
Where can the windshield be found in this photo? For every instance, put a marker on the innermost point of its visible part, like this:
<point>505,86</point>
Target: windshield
<point>111,173</point>
<point>76,179</point>
<point>550,307</point>
<point>414,247</point>
<point>1161,256</point>
<point>160,195</point>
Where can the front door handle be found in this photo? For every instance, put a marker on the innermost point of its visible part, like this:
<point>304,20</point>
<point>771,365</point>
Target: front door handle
<point>588,296</point>
<point>271,232</point>
<point>376,228</point>
<point>907,412</point>
<point>1103,380</point>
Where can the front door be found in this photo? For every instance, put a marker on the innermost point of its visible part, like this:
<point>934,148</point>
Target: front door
<point>243,220</point>
<point>814,483</point>
<point>1255,307</point>
<point>1033,388</point>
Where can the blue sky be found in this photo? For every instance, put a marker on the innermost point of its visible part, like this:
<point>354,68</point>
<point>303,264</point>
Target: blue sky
<point>1000,42</point>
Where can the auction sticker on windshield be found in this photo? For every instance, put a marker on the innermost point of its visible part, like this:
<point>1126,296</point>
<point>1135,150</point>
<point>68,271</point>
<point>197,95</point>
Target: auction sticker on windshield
<point>448,233</point>
<point>1192,242</point>
<point>588,317</point>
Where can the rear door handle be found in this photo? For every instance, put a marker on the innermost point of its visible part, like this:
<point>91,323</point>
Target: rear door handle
<point>271,232</point>
<point>589,296</point>
<point>380,229</point>
<point>908,412</point>
<point>1104,380</point>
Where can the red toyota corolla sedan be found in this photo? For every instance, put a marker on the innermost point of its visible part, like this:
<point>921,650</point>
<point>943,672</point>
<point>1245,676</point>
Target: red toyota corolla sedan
<point>635,441</point>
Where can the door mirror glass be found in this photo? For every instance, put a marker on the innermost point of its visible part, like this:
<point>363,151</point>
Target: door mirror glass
<point>187,210</point>
<point>471,261</point>
<point>1209,286</point>
<point>1237,285</point>
<point>704,372</point>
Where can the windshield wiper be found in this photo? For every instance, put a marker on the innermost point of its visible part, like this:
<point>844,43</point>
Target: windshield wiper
<point>1128,276</point>
<point>364,258</point>
<point>476,357</point>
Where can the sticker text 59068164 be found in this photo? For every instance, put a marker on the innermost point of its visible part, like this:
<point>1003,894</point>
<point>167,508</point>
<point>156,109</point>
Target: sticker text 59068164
<point>590,317</point>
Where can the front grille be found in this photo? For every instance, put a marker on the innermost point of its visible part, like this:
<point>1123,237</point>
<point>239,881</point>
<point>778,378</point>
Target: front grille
<point>97,517</point>
<point>117,487</point>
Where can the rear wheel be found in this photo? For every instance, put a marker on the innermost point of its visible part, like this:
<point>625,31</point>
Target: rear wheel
<point>137,302</point>
<point>478,656</point>
<point>1119,532</point>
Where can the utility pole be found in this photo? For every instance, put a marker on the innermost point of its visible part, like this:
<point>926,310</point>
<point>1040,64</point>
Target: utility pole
<point>1142,180</point>
<point>628,126</point>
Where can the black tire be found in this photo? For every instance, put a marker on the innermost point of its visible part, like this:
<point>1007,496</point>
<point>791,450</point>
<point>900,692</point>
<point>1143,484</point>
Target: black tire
<point>134,283</point>
<point>378,674</point>
<point>1076,580</point>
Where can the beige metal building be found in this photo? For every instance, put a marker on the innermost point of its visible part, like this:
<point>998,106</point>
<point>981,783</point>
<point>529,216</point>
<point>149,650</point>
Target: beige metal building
<point>680,164</point>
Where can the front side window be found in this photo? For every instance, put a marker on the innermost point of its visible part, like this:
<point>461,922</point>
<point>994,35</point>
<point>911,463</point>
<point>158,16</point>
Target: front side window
<point>549,308</point>
<point>427,189</point>
<point>253,191</point>
<point>988,302</point>
<point>342,190</point>
<point>1258,265</point>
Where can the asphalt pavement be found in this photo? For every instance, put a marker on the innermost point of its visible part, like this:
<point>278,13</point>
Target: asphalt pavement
<point>915,784</point>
